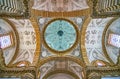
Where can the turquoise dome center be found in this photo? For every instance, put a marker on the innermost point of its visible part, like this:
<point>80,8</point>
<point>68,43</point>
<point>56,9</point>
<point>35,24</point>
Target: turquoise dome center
<point>60,35</point>
<point>60,32</point>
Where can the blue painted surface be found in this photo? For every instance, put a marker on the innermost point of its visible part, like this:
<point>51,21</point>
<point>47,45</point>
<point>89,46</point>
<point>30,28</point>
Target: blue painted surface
<point>111,77</point>
<point>60,35</point>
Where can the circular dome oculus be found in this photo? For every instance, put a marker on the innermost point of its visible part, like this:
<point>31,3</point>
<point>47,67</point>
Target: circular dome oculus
<point>60,35</point>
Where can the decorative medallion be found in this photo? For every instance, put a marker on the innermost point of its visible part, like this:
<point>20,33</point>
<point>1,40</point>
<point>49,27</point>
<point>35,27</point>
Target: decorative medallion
<point>60,35</point>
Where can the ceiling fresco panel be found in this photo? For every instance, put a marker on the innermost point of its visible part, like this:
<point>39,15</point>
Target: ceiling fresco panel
<point>93,39</point>
<point>27,40</point>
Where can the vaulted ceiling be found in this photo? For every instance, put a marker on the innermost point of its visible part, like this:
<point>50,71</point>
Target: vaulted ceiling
<point>90,49</point>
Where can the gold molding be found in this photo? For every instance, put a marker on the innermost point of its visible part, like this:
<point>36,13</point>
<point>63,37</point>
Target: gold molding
<point>103,41</point>
<point>61,71</point>
<point>38,43</point>
<point>17,40</point>
<point>67,50</point>
<point>84,12</point>
<point>98,72</point>
<point>52,58</point>
<point>82,40</point>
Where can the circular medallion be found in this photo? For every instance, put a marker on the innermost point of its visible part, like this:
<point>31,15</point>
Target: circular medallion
<point>60,35</point>
<point>41,20</point>
<point>79,20</point>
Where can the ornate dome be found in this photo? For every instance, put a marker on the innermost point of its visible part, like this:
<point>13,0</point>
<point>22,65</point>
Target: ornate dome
<point>60,35</point>
<point>55,39</point>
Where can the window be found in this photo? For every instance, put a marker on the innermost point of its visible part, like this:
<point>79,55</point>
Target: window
<point>114,40</point>
<point>6,41</point>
